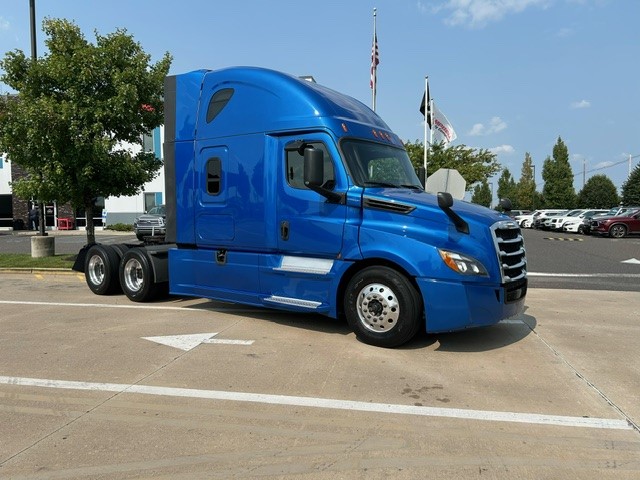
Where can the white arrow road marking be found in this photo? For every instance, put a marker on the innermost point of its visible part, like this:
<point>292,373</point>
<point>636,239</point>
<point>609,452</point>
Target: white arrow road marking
<point>635,261</point>
<point>190,341</point>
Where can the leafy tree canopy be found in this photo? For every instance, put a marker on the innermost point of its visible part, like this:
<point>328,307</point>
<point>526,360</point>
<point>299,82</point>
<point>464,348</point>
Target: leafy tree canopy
<point>598,192</point>
<point>474,165</point>
<point>507,188</point>
<point>525,196</point>
<point>558,189</point>
<point>482,194</point>
<point>631,188</point>
<point>77,107</point>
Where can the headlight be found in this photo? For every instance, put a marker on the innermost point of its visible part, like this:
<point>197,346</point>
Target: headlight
<point>462,263</point>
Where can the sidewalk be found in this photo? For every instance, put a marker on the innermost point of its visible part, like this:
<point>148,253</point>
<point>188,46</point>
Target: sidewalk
<point>61,233</point>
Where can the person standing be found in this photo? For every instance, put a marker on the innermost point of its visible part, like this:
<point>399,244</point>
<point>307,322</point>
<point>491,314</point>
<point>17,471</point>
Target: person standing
<point>34,221</point>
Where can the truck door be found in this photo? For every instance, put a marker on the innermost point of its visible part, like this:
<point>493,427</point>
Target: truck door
<point>308,224</point>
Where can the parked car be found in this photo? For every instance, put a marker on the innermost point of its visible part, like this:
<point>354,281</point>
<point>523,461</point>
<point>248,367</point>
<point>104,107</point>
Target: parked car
<point>582,223</point>
<point>617,226</point>
<point>527,221</point>
<point>151,224</point>
<point>557,221</point>
<point>544,215</point>
<point>516,213</point>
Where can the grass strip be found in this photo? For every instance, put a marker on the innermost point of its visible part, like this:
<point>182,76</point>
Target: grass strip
<point>25,260</point>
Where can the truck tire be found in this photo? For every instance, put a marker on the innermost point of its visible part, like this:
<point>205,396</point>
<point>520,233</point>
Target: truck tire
<point>136,276</point>
<point>382,307</point>
<point>101,270</point>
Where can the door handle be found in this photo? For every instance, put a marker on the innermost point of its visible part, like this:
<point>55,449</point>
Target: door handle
<point>284,230</point>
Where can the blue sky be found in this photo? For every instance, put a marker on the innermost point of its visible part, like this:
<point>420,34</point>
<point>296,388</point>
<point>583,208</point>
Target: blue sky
<point>511,75</point>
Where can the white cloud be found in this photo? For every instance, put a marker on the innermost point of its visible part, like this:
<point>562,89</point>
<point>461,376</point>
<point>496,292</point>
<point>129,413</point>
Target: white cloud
<point>581,104</point>
<point>506,149</point>
<point>478,13</point>
<point>4,24</point>
<point>564,32</point>
<point>496,124</point>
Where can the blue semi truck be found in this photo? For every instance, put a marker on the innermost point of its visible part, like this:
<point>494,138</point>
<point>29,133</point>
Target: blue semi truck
<point>283,193</point>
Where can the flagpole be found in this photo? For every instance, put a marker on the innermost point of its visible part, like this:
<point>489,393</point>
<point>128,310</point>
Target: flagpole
<point>427,108</point>
<point>374,60</point>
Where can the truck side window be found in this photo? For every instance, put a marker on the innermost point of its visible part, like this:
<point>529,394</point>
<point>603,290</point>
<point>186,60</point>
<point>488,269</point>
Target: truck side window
<point>295,168</point>
<point>218,102</point>
<point>214,176</point>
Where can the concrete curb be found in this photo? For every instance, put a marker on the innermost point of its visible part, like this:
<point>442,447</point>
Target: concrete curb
<point>56,271</point>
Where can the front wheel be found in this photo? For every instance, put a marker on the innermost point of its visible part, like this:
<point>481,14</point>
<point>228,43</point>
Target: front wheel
<point>382,307</point>
<point>617,231</point>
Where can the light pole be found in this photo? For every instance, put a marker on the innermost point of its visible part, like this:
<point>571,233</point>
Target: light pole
<point>491,201</point>
<point>533,200</point>
<point>34,57</point>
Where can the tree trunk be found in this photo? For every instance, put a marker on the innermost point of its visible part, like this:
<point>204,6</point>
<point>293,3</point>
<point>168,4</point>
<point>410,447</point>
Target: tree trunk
<point>41,219</point>
<point>91,231</point>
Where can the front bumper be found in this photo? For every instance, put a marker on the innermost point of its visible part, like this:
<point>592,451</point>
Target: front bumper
<point>456,306</point>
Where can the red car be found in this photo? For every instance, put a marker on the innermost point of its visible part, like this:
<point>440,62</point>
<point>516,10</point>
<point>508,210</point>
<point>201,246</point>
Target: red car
<point>618,226</point>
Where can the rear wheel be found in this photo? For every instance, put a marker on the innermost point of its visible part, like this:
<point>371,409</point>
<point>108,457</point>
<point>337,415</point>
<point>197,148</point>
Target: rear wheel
<point>617,231</point>
<point>136,276</point>
<point>101,270</point>
<point>382,307</point>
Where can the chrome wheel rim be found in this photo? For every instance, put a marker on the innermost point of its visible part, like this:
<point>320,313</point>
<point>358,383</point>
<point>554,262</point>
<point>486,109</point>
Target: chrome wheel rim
<point>617,231</point>
<point>133,277</point>
<point>378,308</point>
<point>96,270</point>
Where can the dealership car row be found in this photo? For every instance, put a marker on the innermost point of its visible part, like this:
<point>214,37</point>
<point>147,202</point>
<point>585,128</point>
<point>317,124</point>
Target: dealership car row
<point>616,222</point>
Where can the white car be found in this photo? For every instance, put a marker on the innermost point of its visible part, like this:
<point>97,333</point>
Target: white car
<point>528,221</point>
<point>557,222</point>
<point>578,224</point>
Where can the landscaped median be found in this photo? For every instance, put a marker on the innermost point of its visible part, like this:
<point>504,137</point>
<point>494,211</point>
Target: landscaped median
<point>24,262</point>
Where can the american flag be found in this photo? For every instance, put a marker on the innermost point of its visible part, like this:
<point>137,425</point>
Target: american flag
<point>375,60</point>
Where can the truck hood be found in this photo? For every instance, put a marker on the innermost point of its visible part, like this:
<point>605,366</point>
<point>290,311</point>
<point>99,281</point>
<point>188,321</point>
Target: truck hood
<point>423,205</point>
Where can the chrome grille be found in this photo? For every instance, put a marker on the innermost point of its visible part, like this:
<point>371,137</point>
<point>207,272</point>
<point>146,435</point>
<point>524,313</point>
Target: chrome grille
<point>510,250</point>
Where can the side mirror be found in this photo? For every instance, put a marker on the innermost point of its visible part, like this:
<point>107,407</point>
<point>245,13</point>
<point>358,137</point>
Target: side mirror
<point>314,175</point>
<point>506,205</point>
<point>313,167</point>
<point>445,200</point>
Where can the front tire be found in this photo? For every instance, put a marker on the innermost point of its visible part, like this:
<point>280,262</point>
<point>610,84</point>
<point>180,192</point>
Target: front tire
<point>382,307</point>
<point>101,270</point>
<point>136,276</point>
<point>617,231</point>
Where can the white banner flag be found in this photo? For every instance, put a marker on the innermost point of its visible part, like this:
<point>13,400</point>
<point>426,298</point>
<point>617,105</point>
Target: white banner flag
<point>442,126</point>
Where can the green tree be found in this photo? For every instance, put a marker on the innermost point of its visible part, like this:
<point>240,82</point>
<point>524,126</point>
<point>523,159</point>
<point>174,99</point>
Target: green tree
<point>77,107</point>
<point>507,188</point>
<point>482,194</point>
<point>598,192</point>
<point>631,188</point>
<point>558,189</point>
<point>525,196</point>
<point>474,165</point>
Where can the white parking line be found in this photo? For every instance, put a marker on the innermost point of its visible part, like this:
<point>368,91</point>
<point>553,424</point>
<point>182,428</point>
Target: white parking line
<point>328,403</point>
<point>584,275</point>
<point>189,308</point>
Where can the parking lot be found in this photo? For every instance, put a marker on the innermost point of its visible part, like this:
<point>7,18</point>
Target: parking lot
<point>99,387</point>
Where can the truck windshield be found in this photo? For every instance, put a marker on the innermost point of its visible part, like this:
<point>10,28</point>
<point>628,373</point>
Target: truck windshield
<point>378,165</point>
